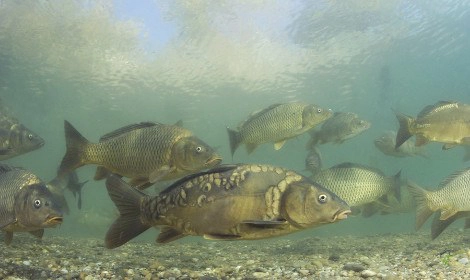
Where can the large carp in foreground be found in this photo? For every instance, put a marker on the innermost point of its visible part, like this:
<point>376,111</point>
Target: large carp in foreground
<point>229,202</point>
<point>145,152</point>
<point>276,124</point>
<point>26,204</point>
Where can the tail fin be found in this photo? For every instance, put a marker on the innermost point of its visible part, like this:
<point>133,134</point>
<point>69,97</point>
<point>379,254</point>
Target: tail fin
<point>234,138</point>
<point>403,133</point>
<point>129,224</point>
<point>397,186</point>
<point>76,145</point>
<point>422,204</point>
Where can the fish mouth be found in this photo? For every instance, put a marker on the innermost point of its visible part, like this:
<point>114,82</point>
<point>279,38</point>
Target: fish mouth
<point>55,220</point>
<point>341,215</point>
<point>214,161</point>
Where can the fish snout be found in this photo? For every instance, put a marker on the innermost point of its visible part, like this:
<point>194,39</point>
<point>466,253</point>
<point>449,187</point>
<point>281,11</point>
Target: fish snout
<point>341,215</point>
<point>54,220</point>
<point>213,161</point>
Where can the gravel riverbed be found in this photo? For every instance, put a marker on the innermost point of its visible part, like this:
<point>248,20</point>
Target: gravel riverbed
<point>390,256</point>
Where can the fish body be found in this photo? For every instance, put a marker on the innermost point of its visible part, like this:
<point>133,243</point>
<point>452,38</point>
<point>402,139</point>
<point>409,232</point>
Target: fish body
<point>313,161</point>
<point>451,199</point>
<point>358,184</point>
<point>26,204</point>
<point>446,122</point>
<point>15,138</point>
<point>229,202</point>
<point>339,128</point>
<point>386,144</point>
<point>145,152</point>
<point>276,124</point>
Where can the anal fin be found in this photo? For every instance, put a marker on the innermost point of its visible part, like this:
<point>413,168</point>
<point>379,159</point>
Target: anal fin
<point>38,233</point>
<point>168,234</point>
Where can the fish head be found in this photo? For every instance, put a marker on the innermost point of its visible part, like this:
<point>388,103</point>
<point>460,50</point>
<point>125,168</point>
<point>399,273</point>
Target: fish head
<point>23,140</point>
<point>37,207</point>
<point>358,126</point>
<point>313,115</point>
<point>193,154</point>
<point>386,141</point>
<point>307,204</point>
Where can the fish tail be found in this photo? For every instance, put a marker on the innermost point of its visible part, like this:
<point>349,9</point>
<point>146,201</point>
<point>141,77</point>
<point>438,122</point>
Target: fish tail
<point>422,204</point>
<point>129,224</point>
<point>76,145</point>
<point>404,132</point>
<point>234,138</point>
<point>397,186</point>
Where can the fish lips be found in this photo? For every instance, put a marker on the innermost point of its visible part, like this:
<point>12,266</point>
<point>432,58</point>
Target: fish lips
<point>52,221</point>
<point>341,215</point>
<point>213,161</point>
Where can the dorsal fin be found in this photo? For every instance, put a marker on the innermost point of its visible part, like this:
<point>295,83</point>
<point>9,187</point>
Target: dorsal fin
<point>254,115</point>
<point>126,129</point>
<point>452,177</point>
<point>358,165</point>
<point>430,109</point>
<point>217,169</point>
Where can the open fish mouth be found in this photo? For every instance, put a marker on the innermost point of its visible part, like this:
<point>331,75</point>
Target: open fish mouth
<point>213,161</point>
<point>341,215</point>
<point>52,221</point>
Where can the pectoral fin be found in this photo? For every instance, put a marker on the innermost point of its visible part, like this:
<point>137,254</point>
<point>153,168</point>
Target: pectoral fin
<point>8,237</point>
<point>160,173</point>
<point>278,145</point>
<point>221,237</point>
<point>448,146</point>
<point>421,140</point>
<point>38,233</point>
<point>140,183</point>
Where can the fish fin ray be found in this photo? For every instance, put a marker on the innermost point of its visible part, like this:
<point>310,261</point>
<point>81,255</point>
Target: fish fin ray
<point>128,128</point>
<point>234,139</point>
<point>37,233</point>
<point>101,173</point>
<point>250,147</point>
<point>278,145</point>
<point>215,236</point>
<point>8,237</point>
<point>129,224</point>
<point>422,209</point>
<point>76,145</point>
<point>403,132</point>
<point>169,234</point>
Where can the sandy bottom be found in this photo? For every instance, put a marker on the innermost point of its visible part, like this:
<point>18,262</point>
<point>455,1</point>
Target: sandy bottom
<point>391,256</point>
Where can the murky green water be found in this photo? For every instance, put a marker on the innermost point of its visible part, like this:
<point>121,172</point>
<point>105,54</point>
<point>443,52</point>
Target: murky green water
<point>105,64</point>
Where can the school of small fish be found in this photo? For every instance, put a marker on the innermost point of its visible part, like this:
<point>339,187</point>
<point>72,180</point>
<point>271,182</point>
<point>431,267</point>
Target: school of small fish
<point>241,201</point>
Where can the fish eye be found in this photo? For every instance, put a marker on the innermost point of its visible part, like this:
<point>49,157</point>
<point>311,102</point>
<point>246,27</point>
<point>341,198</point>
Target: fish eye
<point>198,149</point>
<point>30,136</point>
<point>322,198</point>
<point>319,110</point>
<point>37,203</point>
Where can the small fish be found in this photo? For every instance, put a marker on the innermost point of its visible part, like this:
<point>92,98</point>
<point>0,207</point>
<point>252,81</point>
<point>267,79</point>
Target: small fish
<point>451,199</point>
<point>313,161</point>
<point>229,202</point>
<point>337,129</point>
<point>276,124</point>
<point>26,204</point>
<point>15,138</point>
<point>386,144</point>
<point>446,122</point>
<point>75,186</point>
<point>358,184</point>
<point>145,152</point>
